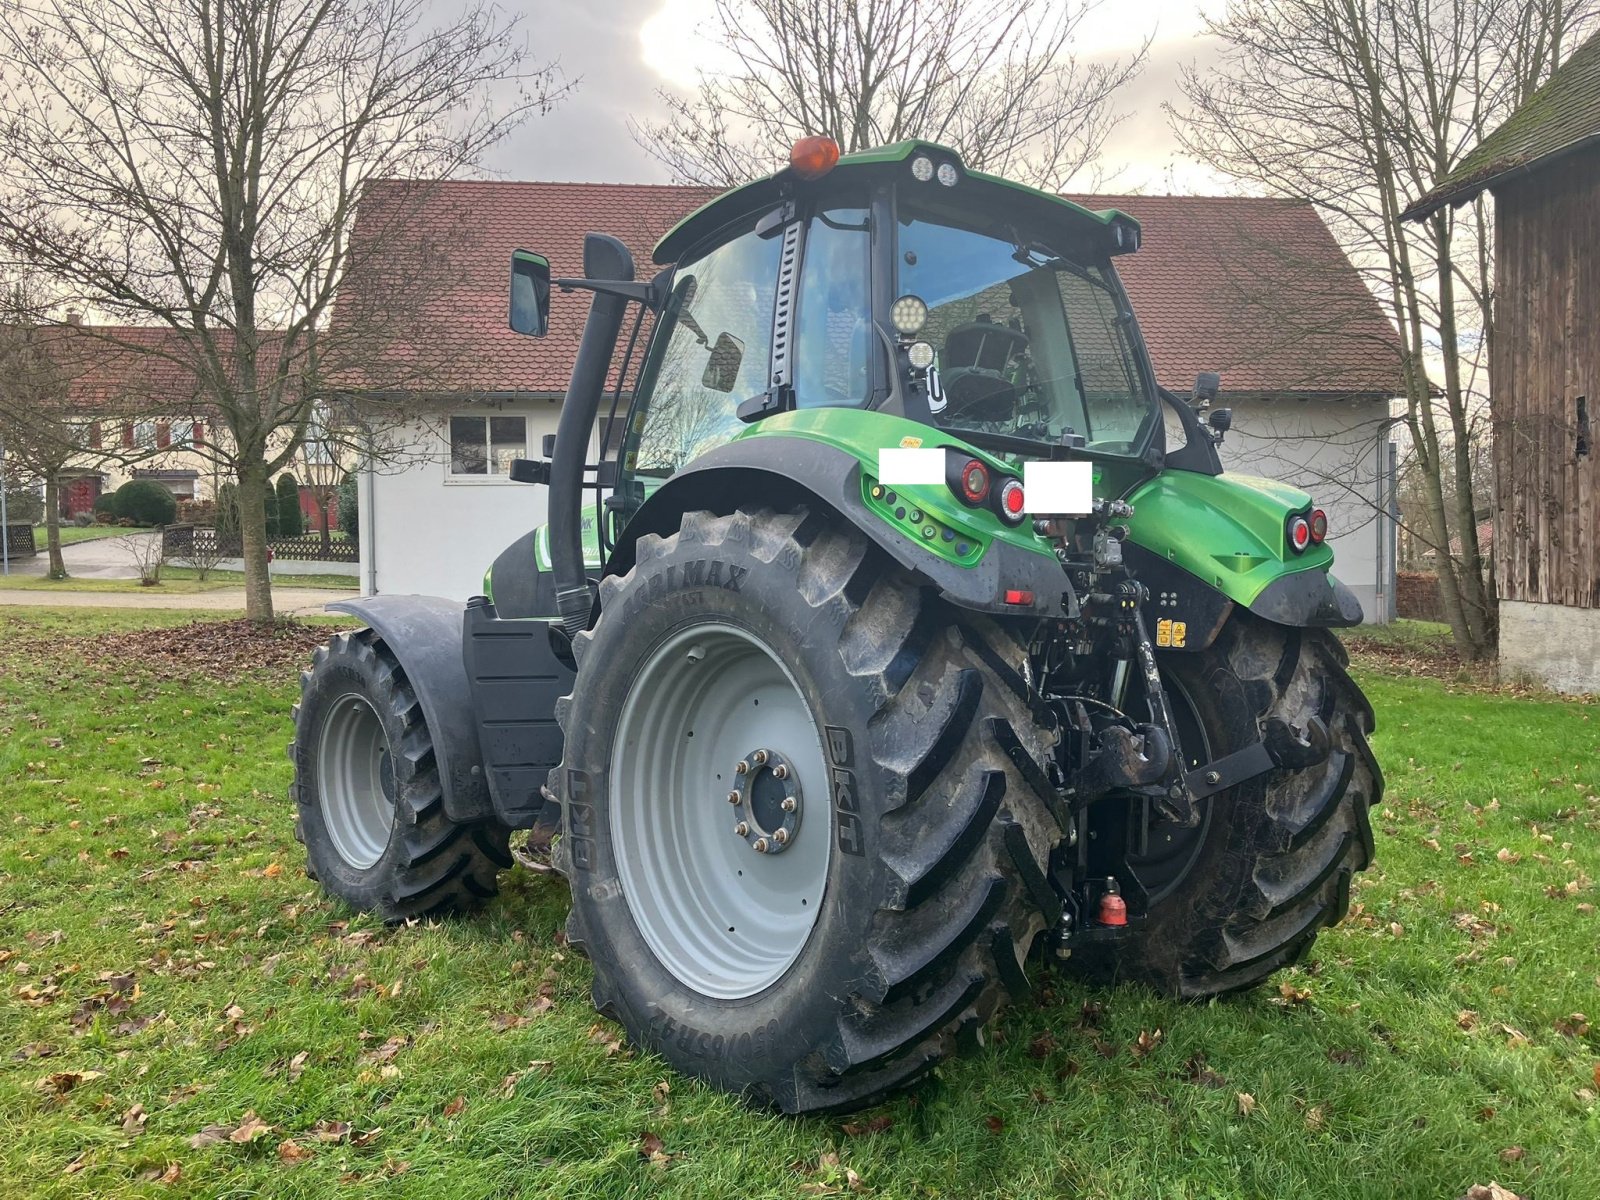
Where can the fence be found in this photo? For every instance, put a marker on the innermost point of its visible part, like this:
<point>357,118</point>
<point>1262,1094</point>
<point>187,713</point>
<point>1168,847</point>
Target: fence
<point>19,541</point>
<point>1416,595</point>
<point>187,541</point>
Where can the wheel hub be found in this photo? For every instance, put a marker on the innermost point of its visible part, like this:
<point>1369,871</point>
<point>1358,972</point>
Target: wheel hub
<point>768,801</point>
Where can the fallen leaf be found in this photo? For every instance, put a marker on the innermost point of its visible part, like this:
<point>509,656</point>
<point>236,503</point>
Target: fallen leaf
<point>1492,1192</point>
<point>297,1065</point>
<point>249,1129</point>
<point>1146,1042</point>
<point>1292,994</point>
<point>1316,1117</point>
<point>1512,1154</point>
<point>1575,1026</point>
<point>995,1124</point>
<point>133,1120</point>
<point>367,1138</point>
<point>331,1131</point>
<point>1467,1018</point>
<point>1043,1045</point>
<point>1196,1071</point>
<point>455,1107</point>
<point>64,1081</point>
<point>875,1125</point>
<point>77,1164</point>
<point>292,1153</point>
<point>660,1092</point>
<point>1509,857</point>
<point>1247,1104</point>
<point>211,1135</point>
<point>653,1151</point>
<point>1346,1058</point>
<point>273,870</point>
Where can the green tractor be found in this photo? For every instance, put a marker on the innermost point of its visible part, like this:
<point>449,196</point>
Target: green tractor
<point>908,635</point>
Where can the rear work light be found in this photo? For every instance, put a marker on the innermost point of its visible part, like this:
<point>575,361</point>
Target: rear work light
<point>1319,526</point>
<point>1299,534</point>
<point>1013,506</point>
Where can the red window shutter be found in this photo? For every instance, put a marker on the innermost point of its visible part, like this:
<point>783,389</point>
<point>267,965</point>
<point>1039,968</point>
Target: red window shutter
<point>94,435</point>
<point>127,435</point>
<point>199,433</point>
<point>163,434</point>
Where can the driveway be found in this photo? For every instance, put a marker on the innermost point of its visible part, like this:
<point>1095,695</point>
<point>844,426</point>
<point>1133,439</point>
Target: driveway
<point>99,558</point>
<point>286,602</point>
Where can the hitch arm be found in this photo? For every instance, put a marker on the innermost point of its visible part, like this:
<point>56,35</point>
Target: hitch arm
<point>1280,747</point>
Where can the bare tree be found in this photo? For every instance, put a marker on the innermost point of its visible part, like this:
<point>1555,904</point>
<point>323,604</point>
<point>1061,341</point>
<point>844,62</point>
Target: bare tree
<point>41,432</point>
<point>195,165</point>
<point>1358,106</point>
<point>994,79</point>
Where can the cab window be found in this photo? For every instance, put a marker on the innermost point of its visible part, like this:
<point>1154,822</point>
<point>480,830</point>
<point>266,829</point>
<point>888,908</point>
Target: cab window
<point>712,350</point>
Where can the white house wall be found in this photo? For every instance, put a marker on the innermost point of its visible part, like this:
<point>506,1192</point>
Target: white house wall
<point>1338,451</point>
<point>436,535</point>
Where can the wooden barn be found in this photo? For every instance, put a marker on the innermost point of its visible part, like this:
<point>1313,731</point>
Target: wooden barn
<point>1543,168</point>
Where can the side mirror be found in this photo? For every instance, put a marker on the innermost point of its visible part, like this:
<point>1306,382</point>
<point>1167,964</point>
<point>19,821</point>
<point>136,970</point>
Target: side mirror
<point>1220,419</point>
<point>722,367</point>
<point>530,293</point>
<point>1206,386</point>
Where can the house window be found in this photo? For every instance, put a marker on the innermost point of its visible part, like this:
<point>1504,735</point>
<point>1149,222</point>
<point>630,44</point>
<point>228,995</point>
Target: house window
<point>482,447</point>
<point>181,432</point>
<point>144,434</point>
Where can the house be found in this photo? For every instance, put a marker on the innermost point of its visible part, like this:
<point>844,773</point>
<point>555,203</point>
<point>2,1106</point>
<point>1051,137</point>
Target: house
<point>1255,289</point>
<point>1543,168</point>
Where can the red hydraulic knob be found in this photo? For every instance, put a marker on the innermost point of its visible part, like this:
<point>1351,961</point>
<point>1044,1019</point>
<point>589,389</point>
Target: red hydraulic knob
<point>1113,909</point>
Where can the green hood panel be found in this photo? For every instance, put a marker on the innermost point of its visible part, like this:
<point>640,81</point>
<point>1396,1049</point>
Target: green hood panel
<point>1225,529</point>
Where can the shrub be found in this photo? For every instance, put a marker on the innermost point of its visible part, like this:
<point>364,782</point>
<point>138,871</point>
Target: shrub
<point>105,508</point>
<point>291,521</point>
<point>146,503</point>
<point>349,521</point>
<point>271,503</point>
<point>24,504</point>
<point>81,520</point>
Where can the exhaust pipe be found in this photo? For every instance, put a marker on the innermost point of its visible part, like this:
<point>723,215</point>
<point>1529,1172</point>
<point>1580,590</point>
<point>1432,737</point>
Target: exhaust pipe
<point>604,257</point>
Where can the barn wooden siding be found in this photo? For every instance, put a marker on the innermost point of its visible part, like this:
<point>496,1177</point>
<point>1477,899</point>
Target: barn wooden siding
<point>1546,354</point>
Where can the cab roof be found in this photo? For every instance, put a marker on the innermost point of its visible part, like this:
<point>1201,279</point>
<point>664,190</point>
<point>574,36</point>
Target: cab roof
<point>767,193</point>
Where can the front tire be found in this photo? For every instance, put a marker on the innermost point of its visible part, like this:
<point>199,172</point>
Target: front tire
<point>369,807</point>
<point>897,916</point>
<point>1271,862</point>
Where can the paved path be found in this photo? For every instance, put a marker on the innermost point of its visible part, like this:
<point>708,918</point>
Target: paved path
<point>285,601</point>
<point>97,558</point>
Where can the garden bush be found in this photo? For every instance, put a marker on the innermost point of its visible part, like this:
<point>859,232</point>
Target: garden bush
<point>227,514</point>
<point>105,508</point>
<point>349,514</point>
<point>146,503</point>
<point>291,521</point>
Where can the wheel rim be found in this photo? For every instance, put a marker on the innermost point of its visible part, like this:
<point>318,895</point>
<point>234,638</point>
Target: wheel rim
<point>724,914</point>
<point>355,781</point>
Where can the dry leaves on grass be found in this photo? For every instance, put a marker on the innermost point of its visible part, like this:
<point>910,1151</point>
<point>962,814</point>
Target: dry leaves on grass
<point>251,1128</point>
<point>1491,1191</point>
<point>1247,1103</point>
<point>864,1128</point>
<point>653,1151</point>
<point>61,1082</point>
<point>218,649</point>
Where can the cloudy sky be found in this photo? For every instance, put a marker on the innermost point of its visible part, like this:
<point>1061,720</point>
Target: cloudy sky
<point>624,50</point>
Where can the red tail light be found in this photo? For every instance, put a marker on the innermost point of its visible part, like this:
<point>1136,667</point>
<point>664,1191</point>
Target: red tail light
<point>1013,505</point>
<point>1299,534</point>
<point>1319,526</point>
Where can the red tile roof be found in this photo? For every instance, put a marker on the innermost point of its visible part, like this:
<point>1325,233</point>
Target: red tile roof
<point>1256,289</point>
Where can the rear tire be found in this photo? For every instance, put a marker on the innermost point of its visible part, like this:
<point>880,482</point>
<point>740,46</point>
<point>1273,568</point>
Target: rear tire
<point>366,791</point>
<point>1273,858</point>
<point>930,871</point>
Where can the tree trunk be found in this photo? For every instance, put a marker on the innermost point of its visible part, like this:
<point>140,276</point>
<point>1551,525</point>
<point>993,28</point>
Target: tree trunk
<point>322,512</point>
<point>52,526</point>
<point>253,493</point>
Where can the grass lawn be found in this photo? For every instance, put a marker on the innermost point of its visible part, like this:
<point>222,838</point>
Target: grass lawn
<point>183,1013</point>
<point>75,533</point>
<point>175,581</point>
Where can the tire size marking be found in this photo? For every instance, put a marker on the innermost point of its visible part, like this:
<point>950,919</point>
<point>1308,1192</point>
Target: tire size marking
<point>846,806</point>
<point>580,819</point>
<point>665,1031</point>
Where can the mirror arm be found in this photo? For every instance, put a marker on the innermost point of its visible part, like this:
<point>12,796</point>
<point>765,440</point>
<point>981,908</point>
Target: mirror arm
<point>647,294</point>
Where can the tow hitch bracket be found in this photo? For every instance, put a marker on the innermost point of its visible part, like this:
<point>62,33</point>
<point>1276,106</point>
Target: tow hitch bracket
<point>1281,747</point>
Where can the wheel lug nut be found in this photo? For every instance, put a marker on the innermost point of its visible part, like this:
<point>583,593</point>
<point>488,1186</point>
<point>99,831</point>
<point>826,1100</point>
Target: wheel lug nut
<point>781,771</point>
<point>781,837</point>
<point>759,758</point>
<point>761,845</point>
<point>735,798</point>
<point>742,769</point>
<point>741,829</point>
<point>788,804</point>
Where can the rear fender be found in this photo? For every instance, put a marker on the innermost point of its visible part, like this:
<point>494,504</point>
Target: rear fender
<point>424,635</point>
<point>779,471</point>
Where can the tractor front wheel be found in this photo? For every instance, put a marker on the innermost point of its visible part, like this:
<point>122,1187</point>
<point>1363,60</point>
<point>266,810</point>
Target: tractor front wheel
<point>368,803</point>
<point>801,862</point>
